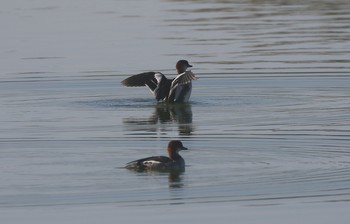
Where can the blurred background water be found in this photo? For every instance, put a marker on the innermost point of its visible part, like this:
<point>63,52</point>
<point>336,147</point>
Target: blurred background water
<point>268,124</point>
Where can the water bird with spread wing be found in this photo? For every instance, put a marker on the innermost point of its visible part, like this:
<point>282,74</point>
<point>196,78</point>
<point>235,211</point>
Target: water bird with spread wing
<point>170,90</point>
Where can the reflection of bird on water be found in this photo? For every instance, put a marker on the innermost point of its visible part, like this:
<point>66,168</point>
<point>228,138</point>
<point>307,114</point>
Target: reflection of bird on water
<point>170,90</point>
<point>161,163</point>
<point>181,113</point>
<point>175,179</point>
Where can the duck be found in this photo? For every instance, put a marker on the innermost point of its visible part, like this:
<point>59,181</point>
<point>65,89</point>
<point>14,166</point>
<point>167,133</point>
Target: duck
<point>161,163</point>
<point>169,90</point>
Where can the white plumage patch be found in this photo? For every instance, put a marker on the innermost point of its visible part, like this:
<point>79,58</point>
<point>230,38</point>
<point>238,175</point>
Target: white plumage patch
<point>158,76</point>
<point>150,163</point>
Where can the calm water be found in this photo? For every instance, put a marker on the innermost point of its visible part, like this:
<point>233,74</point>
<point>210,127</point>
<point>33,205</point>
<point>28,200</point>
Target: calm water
<point>268,125</point>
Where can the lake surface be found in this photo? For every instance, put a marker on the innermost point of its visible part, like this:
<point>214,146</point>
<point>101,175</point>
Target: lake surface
<point>268,123</point>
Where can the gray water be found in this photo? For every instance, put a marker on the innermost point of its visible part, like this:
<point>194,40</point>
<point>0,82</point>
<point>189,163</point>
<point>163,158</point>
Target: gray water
<point>268,124</point>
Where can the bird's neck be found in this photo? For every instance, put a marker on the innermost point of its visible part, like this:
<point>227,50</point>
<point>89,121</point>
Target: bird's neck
<point>174,155</point>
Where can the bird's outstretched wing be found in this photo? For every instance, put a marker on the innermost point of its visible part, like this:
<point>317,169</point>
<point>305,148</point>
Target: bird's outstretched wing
<point>180,88</point>
<point>183,79</point>
<point>142,79</point>
<point>155,81</point>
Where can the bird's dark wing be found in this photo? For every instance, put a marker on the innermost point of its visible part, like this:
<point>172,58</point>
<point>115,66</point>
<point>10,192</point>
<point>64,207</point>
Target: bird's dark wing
<point>155,81</point>
<point>147,162</point>
<point>152,158</point>
<point>143,79</point>
<point>161,92</point>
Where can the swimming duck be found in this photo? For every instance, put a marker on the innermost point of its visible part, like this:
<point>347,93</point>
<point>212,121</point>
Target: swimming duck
<point>170,90</point>
<point>161,163</point>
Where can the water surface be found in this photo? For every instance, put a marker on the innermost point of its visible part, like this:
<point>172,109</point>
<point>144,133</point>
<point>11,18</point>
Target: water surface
<point>268,125</point>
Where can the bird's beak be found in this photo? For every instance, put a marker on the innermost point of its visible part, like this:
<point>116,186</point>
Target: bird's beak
<point>184,148</point>
<point>189,65</point>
